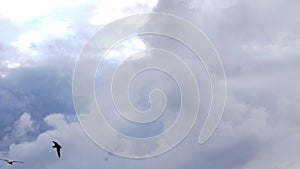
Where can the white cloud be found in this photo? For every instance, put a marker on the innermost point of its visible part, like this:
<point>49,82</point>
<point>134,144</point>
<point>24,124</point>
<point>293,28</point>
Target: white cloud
<point>125,49</point>
<point>23,125</point>
<point>77,152</point>
<point>257,41</point>
<point>20,131</point>
<point>32,9</point>
<point>244,139</point>
<point>27,39</point>
<point>49,28</point>
<point>108,11</point>
<point>26,10</point>
<point>56,27</point>
<point>55,120</point>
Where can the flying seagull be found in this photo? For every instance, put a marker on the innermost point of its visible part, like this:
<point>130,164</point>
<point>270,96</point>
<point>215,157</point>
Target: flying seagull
<point>11,162</point>
<point>58,147</point>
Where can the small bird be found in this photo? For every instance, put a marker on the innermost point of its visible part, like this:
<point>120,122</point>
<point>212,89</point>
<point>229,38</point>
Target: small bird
<point>58,147</point>
<point>11,162</point>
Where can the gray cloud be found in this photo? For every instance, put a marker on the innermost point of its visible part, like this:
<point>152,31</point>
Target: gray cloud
<point>258,44</point>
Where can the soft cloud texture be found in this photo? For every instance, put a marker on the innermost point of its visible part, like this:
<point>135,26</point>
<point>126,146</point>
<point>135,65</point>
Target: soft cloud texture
<point>39,153</point>
<point>258,43</point>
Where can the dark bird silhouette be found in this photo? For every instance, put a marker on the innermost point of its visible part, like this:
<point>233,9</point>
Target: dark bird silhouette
<point>58,147</point>
<point>11,162</point>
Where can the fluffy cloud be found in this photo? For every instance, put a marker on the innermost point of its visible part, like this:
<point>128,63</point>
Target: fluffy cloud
<point>33,9</point>
<point>245,139</point>
<point>119,9</point>
<point>258,44</point>
<point>23,125</point>
<point>77,152</point>
<point>39,90</point>
<point>22,130</point>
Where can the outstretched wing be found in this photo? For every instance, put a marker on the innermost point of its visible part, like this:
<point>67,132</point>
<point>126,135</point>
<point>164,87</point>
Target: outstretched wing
<point>58,152</point>
<point>56,144</point>
<point>4,160</point>
<point>17,161</point>
<point>58,147</point>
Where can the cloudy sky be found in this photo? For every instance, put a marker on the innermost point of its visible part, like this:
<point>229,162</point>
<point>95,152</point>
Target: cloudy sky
<point>258,44</point>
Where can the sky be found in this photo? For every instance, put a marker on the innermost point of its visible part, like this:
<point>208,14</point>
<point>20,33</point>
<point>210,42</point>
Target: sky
<point>257,42</point>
